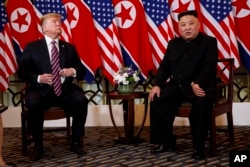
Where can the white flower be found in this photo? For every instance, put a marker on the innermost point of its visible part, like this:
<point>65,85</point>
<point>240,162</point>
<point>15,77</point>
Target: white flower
<point>126,76</point>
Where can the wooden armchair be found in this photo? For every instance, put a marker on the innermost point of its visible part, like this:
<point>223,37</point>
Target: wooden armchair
<point>223,105</point>
<point>53,113</point>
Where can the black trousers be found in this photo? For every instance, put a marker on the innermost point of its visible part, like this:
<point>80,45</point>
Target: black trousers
<point>164,110</point>
<point>74,102</point>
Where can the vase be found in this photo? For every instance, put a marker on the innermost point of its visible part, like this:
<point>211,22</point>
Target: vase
<point>125,89</point>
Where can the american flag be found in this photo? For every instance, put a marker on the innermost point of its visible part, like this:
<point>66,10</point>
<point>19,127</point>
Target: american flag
<point>218,21</point>
<point>8,64</point>
<point>55,6</point>
<point>107,35</point>
<point>160,27</point>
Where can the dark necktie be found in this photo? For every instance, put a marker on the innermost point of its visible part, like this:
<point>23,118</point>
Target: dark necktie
<point>55,69</point>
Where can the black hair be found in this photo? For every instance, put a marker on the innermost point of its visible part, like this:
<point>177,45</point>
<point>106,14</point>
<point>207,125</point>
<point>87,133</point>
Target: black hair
<point>188,12</point>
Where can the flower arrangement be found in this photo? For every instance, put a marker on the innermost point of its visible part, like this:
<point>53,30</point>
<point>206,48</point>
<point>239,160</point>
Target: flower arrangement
<point>126,75</point>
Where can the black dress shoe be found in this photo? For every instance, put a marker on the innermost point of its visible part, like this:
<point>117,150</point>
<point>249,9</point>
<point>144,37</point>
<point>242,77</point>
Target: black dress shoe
<point>163,148</point>
<point>76,148</point>
<point>198,154</point>
<point>38,153</point>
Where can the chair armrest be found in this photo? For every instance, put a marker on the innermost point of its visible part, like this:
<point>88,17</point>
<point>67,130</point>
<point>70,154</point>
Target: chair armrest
<point>223,93</point>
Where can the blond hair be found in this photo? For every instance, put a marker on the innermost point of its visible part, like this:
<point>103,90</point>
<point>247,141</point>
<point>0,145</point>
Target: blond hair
<point>49,15</point>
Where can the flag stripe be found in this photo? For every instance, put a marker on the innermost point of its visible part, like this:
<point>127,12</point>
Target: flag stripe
<point>107,35</point>
<point>221,25</point>
<point>8,64</point>
<point>160,28</point>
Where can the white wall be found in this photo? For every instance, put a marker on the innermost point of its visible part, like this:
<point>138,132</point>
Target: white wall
<point>98,115</point>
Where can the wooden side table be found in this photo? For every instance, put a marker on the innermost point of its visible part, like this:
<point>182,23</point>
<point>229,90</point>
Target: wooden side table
<point>128,115</point>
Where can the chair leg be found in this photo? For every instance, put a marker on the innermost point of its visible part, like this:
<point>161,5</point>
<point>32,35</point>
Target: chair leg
<point>68,129</point>
<point>230,127</point>
<point>24,133</point>
<point>213,137</point>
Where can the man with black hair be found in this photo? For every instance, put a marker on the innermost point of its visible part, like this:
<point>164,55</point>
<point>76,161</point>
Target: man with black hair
<point>186,73</point>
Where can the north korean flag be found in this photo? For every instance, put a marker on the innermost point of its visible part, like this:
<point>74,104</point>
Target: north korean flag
<point>180,6</point>
<point>242,22</point>
<point>23,23</point>
<point>133,33</point>
<point>84,36</point>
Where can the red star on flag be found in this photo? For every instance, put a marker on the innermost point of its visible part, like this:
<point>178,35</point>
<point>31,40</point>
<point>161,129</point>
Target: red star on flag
<point>21,19</point>
<point>124,14</point>
<point>182,7</point>
<point>70,14</point>
<point>239,5</point>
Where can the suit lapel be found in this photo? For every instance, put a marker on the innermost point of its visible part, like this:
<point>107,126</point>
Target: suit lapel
<point>62,53</point>
<point>45,53</point>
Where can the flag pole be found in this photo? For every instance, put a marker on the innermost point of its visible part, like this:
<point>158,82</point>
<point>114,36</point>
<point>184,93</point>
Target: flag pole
<point>248,89</point>
<point>1,97</point>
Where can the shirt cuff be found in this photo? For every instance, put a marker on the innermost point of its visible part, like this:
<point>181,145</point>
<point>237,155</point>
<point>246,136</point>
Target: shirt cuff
<point>74,75</point>
<point>38,79</point>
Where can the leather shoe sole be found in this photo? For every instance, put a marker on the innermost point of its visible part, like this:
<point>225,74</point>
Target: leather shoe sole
<point>76,148</point>
<point>162,148</point>
<point>198,155</point>
<point>37,154</point>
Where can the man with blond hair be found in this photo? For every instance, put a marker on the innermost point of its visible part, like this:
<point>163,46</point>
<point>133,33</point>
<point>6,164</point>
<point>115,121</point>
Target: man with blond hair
<point>49,66</point>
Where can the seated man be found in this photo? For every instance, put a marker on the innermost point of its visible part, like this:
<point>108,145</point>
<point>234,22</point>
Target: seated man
<point>186,73</point>
<point>49,65</point>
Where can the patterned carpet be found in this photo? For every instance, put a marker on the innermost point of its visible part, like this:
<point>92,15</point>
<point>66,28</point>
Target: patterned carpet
<point>102,151</point>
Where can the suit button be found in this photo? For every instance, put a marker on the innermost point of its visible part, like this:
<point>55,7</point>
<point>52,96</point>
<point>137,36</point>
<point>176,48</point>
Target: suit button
<point>180,85</point>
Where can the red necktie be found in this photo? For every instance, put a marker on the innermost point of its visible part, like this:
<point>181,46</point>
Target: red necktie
<point>55,69</point>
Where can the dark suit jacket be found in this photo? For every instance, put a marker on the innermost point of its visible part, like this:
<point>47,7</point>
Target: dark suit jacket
<point>200,66</point>
<point>35,61</point>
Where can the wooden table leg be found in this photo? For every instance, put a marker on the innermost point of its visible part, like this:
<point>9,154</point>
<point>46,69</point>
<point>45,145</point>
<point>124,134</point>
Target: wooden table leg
<point>128,105</point>
<point>128,116</point>
<point>2,163</point>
